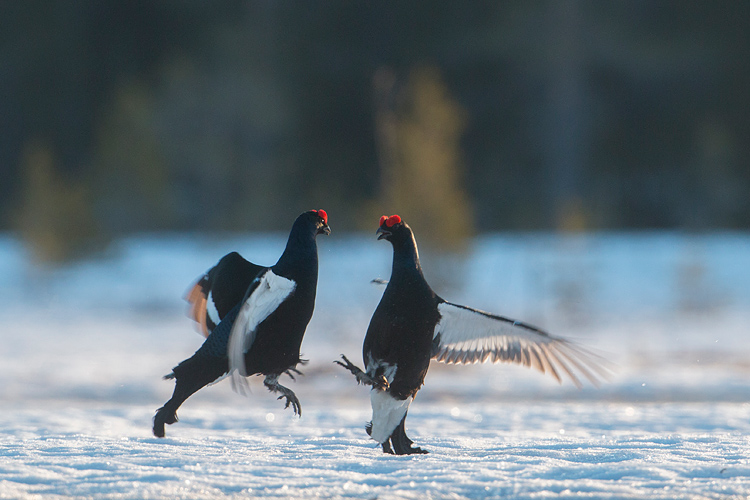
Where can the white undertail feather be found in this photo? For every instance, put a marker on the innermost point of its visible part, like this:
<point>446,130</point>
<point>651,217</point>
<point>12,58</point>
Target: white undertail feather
<point>264,300</point>
<point>387,413</point>
<point>464,335</point>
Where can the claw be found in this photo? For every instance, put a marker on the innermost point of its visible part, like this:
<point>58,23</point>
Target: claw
<point>362,377</point>
<point>272,383</point>
<point>380,383</point>
<point>349,365</point>
<point>292,400</point>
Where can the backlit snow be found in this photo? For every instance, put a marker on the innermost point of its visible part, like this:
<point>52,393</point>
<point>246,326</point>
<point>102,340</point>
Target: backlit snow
<point>84,348</point>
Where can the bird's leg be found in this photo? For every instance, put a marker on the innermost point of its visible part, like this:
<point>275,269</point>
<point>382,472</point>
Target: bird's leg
<point>387,447</point>
<point>362,377</point>
<point>401,442</point>
<point>190,376</point>
<point>272,383</point>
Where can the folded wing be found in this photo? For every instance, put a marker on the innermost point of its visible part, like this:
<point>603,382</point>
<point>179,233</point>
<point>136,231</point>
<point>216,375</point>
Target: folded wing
<point>219,290</point>
<point>265,295</point>
<point>465,335</point>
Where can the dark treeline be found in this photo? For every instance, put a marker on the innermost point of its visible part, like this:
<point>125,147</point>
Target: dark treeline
<point>127,116</point>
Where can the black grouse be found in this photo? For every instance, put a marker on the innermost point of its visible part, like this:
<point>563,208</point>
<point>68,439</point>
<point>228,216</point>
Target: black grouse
<point>259,323</point>
<point>413,325</point>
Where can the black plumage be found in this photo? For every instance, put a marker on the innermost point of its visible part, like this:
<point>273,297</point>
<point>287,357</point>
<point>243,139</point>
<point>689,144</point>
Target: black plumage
<point>261,331</point>
<point>220,289</point>
<point>412,325</point>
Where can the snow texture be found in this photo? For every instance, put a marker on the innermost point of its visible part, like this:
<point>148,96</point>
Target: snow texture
<point>84,348</point>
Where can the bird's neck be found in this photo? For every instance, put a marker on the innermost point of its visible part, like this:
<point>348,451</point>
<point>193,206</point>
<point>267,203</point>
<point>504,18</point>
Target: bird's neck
<point>300,257</point>
<point>406,264</point>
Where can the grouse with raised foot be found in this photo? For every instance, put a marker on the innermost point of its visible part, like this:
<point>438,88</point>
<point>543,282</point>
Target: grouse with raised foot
<point>412,325</point>
<point>262,332</point>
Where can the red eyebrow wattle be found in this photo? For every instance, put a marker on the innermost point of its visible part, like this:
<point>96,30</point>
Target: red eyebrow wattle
<point>392,220</point>
<point>323,215</point>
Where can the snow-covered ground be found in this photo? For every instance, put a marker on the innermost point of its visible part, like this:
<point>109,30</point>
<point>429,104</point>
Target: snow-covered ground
<point>84,348</point>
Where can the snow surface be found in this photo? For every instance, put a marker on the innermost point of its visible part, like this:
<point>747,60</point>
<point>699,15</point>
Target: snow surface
<point>85,346</point>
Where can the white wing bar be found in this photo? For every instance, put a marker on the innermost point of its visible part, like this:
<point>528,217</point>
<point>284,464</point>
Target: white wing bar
<point>271,291</point>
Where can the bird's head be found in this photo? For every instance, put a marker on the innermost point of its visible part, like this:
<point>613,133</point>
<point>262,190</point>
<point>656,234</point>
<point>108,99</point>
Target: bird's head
<point>391,227</point>
<point>320,220</point>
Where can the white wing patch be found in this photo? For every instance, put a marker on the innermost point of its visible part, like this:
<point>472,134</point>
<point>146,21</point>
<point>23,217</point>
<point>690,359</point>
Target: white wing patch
<point>211,310</point>
<point>387,413</point>
<point>264,300</point>
<point>464,335</point>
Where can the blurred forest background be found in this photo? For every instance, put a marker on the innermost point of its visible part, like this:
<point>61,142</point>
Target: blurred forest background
<point>119,117</point>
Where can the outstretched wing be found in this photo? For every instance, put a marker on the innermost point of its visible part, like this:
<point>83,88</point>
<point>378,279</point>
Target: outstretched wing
<point>219,290</point>
<point>465,335</point>
<point>265,295</point>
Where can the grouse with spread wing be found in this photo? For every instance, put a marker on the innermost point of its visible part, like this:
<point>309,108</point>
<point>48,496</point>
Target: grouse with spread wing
<point>412,325</point>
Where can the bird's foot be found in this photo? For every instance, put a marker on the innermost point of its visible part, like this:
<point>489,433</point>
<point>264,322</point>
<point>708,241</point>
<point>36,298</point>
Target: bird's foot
<point>402,446</point>
<point>362,377</point>
<point>163,416</point>
<point>401,450</point>
<point>413,450</point>
<point>272,383</point>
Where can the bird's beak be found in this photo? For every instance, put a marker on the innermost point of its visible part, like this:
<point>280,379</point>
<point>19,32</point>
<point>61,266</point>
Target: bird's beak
<point>325,229</point>
<point>382,233</point>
